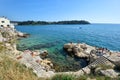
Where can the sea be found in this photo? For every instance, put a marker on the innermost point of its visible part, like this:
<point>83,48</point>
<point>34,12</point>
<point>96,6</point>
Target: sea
<point>53,38</point>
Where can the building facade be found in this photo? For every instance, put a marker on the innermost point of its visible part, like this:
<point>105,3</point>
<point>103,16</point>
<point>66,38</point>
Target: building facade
<point>4,22</point>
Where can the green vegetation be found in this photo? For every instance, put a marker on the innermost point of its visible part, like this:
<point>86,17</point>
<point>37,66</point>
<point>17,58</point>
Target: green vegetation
<point>84,77</point>
<point>63,77</point>
<point>47,23</point>
<point>104,67</point>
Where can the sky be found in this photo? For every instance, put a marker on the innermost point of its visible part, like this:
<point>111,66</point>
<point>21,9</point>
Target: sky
<point>94,11</point>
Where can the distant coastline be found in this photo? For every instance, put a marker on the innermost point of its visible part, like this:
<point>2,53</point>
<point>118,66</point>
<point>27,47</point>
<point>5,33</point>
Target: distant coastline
<point>49,23</point>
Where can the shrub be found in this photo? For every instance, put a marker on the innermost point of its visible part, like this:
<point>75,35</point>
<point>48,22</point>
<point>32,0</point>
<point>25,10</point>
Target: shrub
<point>63,77</point>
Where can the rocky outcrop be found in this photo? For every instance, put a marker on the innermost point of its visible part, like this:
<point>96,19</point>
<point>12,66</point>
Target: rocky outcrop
<point>8,39</point>
<point>82,50</point>
<point>42,67</point>
<point>110,73</point>
<point>97,56</point>
<point>115,58</point>
<point>35,60</point>
<point>78,49</point>
<point>22,35</point>
<point>32,59</point>
<point>43,54</point>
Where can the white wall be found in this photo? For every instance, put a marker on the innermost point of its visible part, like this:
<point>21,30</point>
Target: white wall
<point>5,22</point>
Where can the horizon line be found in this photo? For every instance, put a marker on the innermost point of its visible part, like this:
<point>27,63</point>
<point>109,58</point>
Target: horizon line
<point>69,20</point>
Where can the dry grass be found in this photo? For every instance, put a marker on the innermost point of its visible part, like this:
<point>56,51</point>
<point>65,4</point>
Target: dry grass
<point>12,70</point>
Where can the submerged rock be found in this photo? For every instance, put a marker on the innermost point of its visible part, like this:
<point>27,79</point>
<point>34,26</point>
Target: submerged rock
<point>39,46</point>
<point>22,35</point>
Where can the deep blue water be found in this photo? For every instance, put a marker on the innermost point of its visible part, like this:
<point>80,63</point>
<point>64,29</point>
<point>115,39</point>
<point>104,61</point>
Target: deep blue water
<point>53,37</point>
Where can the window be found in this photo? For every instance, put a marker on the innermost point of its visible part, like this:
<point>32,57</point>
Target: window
<point>1,25</point>
<point>3,21</point>
<point>8,25</point>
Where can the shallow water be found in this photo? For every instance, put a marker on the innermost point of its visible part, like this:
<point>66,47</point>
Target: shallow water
<point>53,37</point>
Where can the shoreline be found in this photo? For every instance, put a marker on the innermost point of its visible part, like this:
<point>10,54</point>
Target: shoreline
<point>42,67</point>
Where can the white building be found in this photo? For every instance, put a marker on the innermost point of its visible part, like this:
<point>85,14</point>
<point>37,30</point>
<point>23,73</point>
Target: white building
<point>4,22</point>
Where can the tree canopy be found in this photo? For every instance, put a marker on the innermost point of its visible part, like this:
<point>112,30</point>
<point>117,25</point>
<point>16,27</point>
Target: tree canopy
<point>58,22</point>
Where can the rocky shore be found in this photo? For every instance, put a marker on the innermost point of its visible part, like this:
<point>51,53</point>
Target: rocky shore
<point>97,57</point>
<point>36,60</point>
<point>33,59</point>
<point>101,60</point>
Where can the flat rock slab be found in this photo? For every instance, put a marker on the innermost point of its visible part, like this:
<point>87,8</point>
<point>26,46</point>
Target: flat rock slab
<point>38,69</point>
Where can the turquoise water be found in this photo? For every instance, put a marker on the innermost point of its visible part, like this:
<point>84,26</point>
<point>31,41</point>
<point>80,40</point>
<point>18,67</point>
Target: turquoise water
<point>53,37</point>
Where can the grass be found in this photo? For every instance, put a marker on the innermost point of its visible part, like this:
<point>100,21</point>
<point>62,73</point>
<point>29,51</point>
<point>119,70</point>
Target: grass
<point>83,77</point>
<point>2,47</point>
<point>12,70</point>
<point>97,77</point>
<point>104,67</point>
<point>63,77</point>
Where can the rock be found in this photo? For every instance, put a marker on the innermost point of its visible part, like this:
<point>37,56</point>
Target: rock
<point>97,69</point>
<point>46,63</point>
<point>8,46</point>
<point>83,46</point>
<point>93,51</point>
<point>76,49</point>
<point>42,68</point>
<point>43,54</point>
<point>1,38</point>
<point>69,50</point>
<point>115,59</point>
<point>36,52</point>
<point>50,74</point>
<point>80,72</point>
<point>22,35</point>
<point>110,73</point>
<point>68,46</point>
<point>81,55</point>
<point>86,70</point>
<point>31,59</point>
